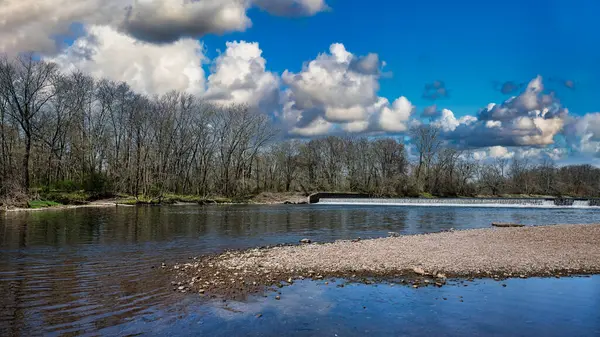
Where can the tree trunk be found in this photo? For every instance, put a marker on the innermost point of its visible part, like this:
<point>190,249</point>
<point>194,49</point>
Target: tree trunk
<point>26,160</point>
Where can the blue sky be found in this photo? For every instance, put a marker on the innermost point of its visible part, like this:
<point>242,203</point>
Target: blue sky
<point>265,53</point>
<point>467,44</point>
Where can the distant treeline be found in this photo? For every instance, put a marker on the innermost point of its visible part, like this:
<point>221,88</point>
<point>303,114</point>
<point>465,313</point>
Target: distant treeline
<point>71,132</point>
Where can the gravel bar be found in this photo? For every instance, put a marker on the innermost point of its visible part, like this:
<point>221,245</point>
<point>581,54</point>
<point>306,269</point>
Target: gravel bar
<point>420,260</point>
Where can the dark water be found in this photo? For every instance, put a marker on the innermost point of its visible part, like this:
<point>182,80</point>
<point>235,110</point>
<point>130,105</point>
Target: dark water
<point>90,272</point>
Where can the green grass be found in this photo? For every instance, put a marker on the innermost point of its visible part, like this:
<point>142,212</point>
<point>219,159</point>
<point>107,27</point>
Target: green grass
<point>67,198</point>
<point>42,204</point>
<point>426,195</point>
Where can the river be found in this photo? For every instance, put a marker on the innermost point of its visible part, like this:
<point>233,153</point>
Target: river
<point>97,272</point>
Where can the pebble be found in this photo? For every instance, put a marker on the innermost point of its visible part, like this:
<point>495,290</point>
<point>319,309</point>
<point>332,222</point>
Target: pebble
<point>278,297</point>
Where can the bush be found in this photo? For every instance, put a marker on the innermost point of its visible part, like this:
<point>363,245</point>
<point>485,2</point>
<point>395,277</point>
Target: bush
<point>42,204</point>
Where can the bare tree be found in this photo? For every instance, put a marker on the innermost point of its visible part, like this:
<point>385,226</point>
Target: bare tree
<point>427,141</point>
<point>26,86</point>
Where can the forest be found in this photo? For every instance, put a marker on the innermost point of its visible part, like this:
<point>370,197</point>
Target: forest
<point>72,132</point>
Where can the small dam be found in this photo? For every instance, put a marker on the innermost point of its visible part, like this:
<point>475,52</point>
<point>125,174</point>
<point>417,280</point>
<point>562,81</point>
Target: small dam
<point>361,199</point>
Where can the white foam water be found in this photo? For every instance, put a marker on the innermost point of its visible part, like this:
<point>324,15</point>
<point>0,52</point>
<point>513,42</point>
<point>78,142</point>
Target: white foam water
<point>456,202</point>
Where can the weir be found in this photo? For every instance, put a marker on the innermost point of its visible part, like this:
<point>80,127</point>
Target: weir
<point>332,199</point>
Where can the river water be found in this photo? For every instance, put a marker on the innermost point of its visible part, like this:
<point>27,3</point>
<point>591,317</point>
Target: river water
<point>94,272</point>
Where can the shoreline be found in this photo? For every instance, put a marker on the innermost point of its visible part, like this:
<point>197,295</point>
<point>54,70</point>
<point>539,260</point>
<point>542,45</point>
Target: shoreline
<point>414,260</point>
<point>110,203</point>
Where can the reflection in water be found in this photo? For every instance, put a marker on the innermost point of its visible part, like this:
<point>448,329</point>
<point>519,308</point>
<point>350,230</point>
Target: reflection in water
<point>85,270</point>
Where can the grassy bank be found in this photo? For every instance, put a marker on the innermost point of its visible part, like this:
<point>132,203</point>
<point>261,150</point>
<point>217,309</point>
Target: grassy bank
<point>40,199</point>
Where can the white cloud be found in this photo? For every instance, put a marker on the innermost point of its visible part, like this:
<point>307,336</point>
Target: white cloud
<point>500,152</point>
<point>448,122</point>
<point>529,119</point>
<point>240,76</point>
<point>169,20</point>
<point>341,88</point>
<point>583,133</point>
<point>147,68</point>
<point>396,117</point>
<point>317,127</point>
<point>33,25</point>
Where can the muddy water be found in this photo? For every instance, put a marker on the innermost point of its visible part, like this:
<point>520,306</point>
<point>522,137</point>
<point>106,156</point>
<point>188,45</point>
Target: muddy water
<point>96,271</point>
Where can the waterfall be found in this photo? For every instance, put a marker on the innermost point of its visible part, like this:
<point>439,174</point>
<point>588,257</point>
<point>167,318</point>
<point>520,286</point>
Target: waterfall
<point>460,202</point>
<point>581,203</point>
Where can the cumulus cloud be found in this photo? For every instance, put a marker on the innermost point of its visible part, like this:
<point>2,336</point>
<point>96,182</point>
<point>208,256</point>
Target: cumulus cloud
<point>239,76</point>
<point>341,88</point>
<point>395,118</point>
<point>33,25</point>
<point>532,118</point>
<point>292,7</point>
<point>448,122</point>
<point>500,152</point>
<point>147,68</point>
<point>583,133</point>
<point>165,21</point>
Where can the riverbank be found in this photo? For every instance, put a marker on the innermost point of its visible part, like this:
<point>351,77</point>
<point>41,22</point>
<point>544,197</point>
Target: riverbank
<point>415,260</point>
<point>79,200</point>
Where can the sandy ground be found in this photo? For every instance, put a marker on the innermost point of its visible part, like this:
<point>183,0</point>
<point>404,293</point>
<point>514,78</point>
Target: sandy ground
<point>557,250</point>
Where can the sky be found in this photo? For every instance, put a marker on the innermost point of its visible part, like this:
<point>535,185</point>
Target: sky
<point>503,78</point>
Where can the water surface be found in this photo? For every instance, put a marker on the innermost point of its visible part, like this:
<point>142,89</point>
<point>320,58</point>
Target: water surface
<point>86,270</point>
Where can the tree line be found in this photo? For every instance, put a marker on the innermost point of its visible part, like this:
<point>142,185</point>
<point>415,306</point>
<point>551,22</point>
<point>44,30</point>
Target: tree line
<point>69,131</point>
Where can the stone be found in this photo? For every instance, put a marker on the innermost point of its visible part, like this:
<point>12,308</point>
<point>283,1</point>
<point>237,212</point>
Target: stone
<point>305,241</point>
<point>504,225</point>
<point>278,297</point>
<point>393,234</point>
<point>419,271</point>
<point>181,288</point>
<point>201,291</point>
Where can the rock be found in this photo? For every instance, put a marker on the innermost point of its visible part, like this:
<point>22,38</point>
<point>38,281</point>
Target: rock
<point>419,271</point>
<point>415,286</point>
<point>258,315</point>
<point>504,285</point>
<point>393,234</point>
<point>278,297</point>
<point>290,281</point>
<point>305,241</point>
<point>502,224</point>
<point>522,276</point>
<point>181,288</point>
<point>440,275</point>
<point>201,291</point>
